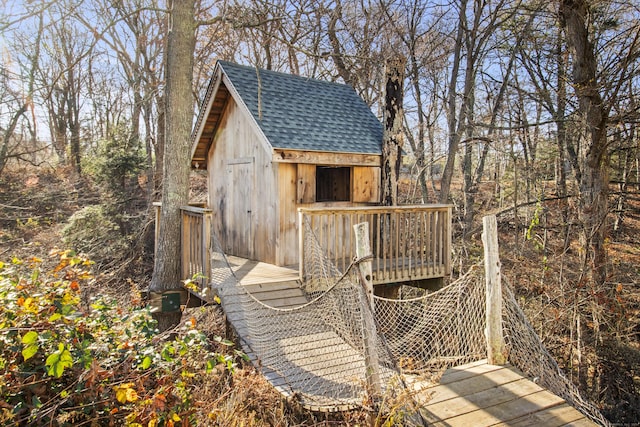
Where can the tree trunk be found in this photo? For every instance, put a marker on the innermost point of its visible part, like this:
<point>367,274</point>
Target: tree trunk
<point>392,138</point>
<point>559,118</point>
<point>593,179</point>
<point>452,123</point>
<point>179,115</point>
<point>160,143</point>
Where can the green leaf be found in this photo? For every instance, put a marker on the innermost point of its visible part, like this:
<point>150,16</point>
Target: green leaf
<point>35,401</point>
<point>35,275</point>
<point>30,337</point>
<point>243,355</point>
<point>29,351</point>
<point>30,341</point>
<point>211,364</point>
<point>146,363</point>
<point>58,361</point>
<point>224,341</point>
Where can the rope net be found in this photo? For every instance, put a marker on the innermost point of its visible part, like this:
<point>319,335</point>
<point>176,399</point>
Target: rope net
<point>322,344</point>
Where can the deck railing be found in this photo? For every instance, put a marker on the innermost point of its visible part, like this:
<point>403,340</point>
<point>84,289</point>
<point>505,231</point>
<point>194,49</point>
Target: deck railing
<point>195,242</point>
<point>408,242</point>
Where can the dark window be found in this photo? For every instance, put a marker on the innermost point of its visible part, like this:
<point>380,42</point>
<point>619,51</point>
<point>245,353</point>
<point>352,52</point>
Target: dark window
<point>333,184</point>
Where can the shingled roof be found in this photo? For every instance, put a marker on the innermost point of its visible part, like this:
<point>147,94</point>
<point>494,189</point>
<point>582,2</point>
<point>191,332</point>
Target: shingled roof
<point>299,113</point>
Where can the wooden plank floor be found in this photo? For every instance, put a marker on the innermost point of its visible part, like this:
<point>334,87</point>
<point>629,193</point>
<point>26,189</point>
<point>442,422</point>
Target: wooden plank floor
<point>478,394</point>
<point>255,272</point>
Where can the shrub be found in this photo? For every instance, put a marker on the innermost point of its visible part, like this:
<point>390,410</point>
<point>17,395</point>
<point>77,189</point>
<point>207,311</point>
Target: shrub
<point>93,232</point>
<point>64,364</point>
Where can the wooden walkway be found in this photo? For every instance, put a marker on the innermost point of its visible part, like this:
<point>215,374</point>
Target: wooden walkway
<point>314,359</point>
<point>478,394</point>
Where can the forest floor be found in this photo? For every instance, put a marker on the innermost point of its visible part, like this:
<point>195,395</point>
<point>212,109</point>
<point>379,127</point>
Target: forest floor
<point>594,332</point>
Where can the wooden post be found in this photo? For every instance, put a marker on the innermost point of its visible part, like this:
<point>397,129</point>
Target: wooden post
<point>496,352</point>
<point>301,230</point>
<point>185,241</point>
<point>206,251</point>
<point>157,206</point>
<point>363,249</point>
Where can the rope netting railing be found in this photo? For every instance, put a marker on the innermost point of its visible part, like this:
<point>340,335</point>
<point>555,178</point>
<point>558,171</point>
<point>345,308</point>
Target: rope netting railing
<point>319,352</point>
<point>527,352</point>
<point>312,352</point>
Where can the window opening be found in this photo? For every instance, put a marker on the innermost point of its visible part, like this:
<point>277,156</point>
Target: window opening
<point>333,184</point>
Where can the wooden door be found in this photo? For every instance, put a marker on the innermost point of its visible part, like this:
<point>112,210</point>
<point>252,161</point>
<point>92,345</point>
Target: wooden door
<point>240,173</point>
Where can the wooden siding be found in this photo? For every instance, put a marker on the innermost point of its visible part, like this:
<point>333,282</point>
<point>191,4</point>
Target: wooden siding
<point>287,240</point>
<point>297,189</point>
<point>243,188</point>
<point>365,184</point>
<point>306,183</point>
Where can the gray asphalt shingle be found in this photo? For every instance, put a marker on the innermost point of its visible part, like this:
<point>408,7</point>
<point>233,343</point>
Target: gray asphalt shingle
<point>299,113</point>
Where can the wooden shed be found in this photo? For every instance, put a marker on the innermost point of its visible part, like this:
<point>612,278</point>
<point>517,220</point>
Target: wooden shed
<point>282,151</point>
<point>274,142</point>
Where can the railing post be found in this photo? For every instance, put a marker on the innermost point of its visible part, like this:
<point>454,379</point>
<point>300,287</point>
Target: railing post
<point>206,248</point>
<point>158,207</point>
<point>186,242</point>
<point>363,249</point>
<point>496,352</point>
<point>301,229</point>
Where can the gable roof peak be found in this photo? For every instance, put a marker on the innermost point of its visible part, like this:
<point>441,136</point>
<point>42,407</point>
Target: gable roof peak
<point>301,113</point>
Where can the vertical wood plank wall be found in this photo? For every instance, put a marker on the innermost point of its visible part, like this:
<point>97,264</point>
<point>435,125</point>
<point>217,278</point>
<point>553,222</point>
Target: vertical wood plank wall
<point>243,189</point>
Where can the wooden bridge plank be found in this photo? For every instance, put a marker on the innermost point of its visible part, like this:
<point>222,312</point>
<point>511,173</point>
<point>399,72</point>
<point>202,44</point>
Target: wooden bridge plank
<point>272,287</point>
<point>484,395</point>
<point>471,385</point>
<point>505,411</point>
<point>467,371</point>
<point>584,422</point>
<point>488,397</point>
<point>324,342</point>
<point>552,417</point>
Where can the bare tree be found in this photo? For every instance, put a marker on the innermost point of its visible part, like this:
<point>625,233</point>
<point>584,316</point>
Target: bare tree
<point>18,102</point>
<point>63,75</point>
<point>593,112</point>
<point>477,22</point>
<point>181,41</point>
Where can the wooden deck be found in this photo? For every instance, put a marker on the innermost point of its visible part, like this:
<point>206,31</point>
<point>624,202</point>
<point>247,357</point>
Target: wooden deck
<point>251,272</point>
<point>478,394</point>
